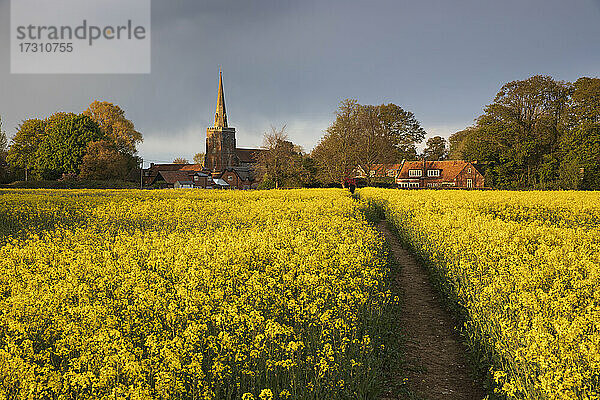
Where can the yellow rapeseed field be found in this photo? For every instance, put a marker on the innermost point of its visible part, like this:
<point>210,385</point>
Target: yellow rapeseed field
<point>189,295</point>
<point>525,267</point>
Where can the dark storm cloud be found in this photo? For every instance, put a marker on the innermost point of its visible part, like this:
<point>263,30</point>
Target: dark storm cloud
<point>292,62</point>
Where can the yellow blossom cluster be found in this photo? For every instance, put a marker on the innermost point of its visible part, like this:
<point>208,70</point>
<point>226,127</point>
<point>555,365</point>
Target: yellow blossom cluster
<point>188,295</point>
<point>525,267</point>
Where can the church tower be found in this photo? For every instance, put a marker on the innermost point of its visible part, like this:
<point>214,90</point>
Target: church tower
<point>220,139</point>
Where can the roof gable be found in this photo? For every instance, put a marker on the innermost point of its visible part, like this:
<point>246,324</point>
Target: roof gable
<point>174,176</point>
<point>449,169</point>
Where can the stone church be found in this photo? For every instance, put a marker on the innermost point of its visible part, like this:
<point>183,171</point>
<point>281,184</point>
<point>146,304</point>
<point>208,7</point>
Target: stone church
<point>221,150</point>
<point>225,165</point>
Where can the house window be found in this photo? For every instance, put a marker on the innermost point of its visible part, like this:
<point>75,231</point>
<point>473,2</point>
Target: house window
<point>414,184</point>
<point>469,170</point>
<point>230,178</point>
<point>391,172</point>
<point>195,178</point>
<point>415,172</point>
<point>372,174</point>
<point>433,172</point>
<point>469,183</point>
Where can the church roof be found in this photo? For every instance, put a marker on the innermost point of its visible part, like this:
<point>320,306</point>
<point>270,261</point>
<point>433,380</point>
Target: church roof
<point>221,114</point>
<point>248,155</point>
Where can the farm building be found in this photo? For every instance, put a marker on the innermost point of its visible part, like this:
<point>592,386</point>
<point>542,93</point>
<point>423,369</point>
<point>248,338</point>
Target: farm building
<point>457,174</point>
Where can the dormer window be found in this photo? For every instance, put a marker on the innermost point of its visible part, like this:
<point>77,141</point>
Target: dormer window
<point>433,172</point>
<point>415,172</point>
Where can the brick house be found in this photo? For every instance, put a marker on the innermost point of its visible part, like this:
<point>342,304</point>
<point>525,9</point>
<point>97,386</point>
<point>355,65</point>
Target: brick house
<point>188,178</point>
<point>238,178</point>
<point>457,174</point>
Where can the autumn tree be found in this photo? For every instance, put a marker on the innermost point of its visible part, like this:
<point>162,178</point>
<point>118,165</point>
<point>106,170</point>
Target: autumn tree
<point>180,160</point>
<point>436,149</point>
<point>280,161</point>
<point>335,155</point>
<point>364,136</point>
<point>199,158</point>
<point>102,161</point>
<point>116,128</point>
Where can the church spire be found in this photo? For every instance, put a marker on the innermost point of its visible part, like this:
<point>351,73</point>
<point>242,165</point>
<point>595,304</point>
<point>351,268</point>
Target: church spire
<point>221,115</point>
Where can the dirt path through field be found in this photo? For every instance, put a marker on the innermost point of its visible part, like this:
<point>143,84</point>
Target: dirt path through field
<point>437,366</point>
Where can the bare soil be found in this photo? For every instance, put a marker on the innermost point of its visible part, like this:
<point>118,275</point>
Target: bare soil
<point>436,360</point>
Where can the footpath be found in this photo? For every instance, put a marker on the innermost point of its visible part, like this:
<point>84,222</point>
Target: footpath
<point>436,361</point>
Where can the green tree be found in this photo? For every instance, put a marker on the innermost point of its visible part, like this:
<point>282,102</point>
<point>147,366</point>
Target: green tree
<point>457,143</point>
<point>403,128</point>
<point>580,165</point>
<point>25,143</point>
<point>309,172</point>
<point>519,134</point>
<point>64,144</point>
<point>436,149</point>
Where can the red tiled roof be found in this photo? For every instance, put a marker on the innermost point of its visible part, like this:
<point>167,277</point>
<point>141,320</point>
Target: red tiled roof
<point>192,167</point>
<point>174,176</point>
<point>384,168</point>
<point>166,167</point>
<point>448,169</point>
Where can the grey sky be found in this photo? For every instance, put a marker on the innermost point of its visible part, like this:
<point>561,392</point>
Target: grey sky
<point>292,62</point>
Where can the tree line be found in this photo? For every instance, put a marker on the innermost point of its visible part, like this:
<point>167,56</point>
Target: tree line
<point>98,144</point>
<point>539,133</point>
<point>362,136</point>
